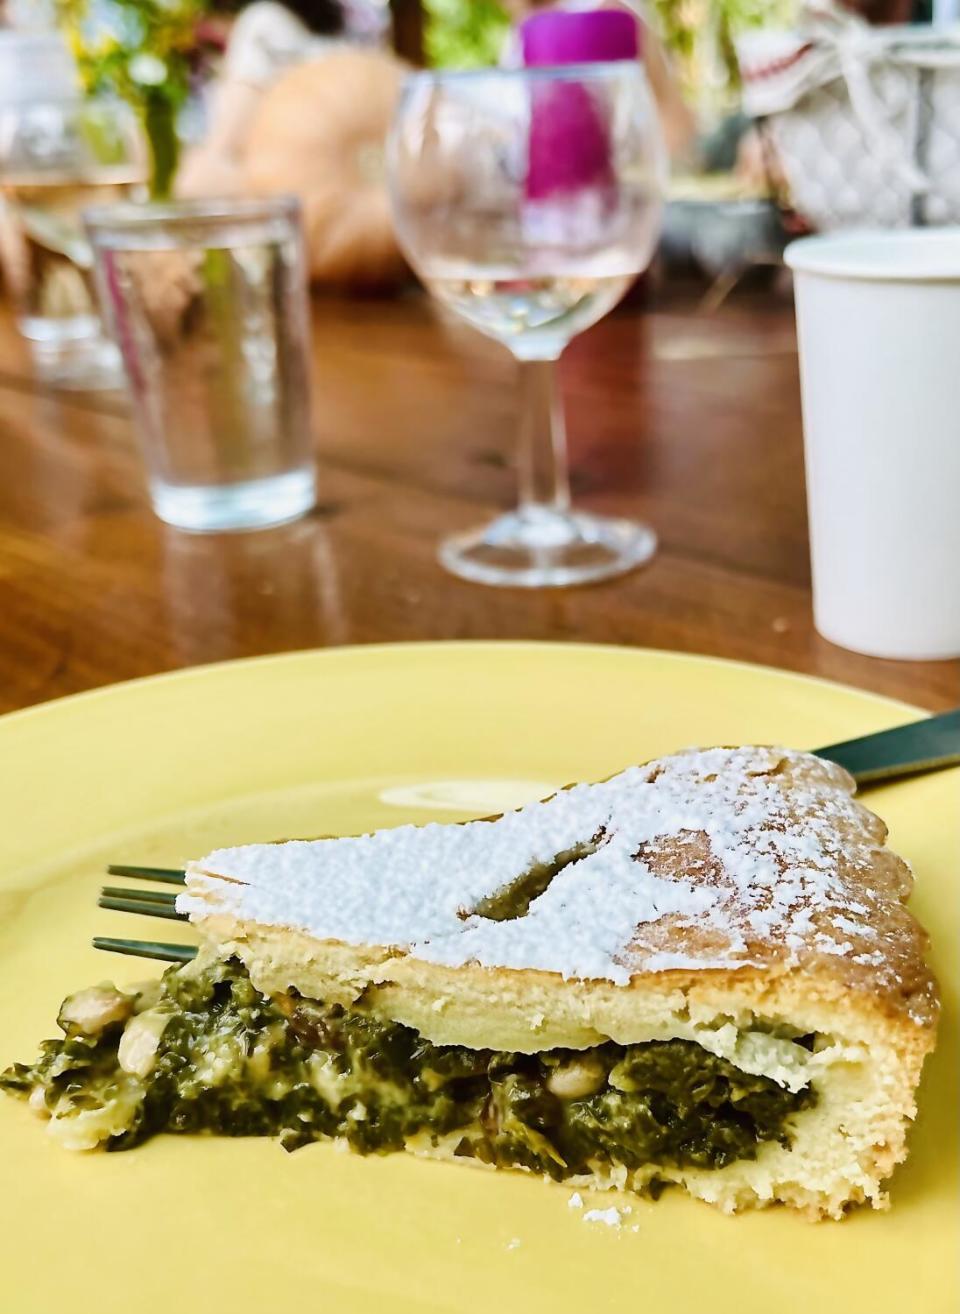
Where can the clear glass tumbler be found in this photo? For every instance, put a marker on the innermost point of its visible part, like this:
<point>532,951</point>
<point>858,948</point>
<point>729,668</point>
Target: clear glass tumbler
<point>207,302</point>
<point>528,200</point>
<point>59,153</point>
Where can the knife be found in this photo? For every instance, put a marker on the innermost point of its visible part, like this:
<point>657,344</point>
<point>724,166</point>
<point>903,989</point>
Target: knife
<point>906,750</point>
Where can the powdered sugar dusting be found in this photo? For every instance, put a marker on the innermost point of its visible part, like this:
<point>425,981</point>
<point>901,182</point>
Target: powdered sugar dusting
<point>610,1217</point>
<point>703,859</point>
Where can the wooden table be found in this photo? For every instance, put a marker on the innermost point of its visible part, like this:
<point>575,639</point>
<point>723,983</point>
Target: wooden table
<point>689,421</point>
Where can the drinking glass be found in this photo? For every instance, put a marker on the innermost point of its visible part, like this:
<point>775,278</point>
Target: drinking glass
<point>207,301</point>
<point>528,200</point>
<point>59,152</point>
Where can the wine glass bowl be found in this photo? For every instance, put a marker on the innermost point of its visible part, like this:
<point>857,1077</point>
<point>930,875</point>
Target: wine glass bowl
<point>528,200</point>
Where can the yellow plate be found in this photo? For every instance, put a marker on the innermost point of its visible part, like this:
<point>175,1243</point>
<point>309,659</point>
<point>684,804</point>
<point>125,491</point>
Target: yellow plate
<point>163,769</point>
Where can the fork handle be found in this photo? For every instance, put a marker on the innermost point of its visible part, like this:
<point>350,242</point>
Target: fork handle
<point>906,750</point>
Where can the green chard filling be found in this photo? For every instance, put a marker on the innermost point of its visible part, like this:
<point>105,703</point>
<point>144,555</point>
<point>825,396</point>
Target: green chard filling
<point>203,1050</point>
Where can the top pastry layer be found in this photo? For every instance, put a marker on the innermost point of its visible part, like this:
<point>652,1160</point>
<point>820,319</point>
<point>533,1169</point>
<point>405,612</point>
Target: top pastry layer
<point>721,858</point>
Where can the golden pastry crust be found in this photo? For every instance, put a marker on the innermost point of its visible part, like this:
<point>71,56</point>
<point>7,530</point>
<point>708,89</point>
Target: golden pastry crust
<point>865,938</point>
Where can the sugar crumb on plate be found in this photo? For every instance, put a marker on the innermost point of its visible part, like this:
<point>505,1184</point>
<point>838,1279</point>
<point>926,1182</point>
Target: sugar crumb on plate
<point>611,1217</point>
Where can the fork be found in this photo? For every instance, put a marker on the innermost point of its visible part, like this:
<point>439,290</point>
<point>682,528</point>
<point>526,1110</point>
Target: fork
<point>146,903</point>
<point>906,750</point>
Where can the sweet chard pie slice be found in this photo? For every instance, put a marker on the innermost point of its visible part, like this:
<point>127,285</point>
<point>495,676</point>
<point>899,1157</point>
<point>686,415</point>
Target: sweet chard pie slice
<point>701,971</point>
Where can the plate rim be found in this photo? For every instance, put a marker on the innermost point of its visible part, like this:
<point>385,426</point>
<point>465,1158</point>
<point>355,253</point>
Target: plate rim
<point>347,651</point>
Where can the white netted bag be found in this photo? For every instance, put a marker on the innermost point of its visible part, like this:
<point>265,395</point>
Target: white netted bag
<point>865,120</point>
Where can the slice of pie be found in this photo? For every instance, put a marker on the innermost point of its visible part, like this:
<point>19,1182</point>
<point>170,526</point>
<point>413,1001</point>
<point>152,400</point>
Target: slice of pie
<point>701,971</point>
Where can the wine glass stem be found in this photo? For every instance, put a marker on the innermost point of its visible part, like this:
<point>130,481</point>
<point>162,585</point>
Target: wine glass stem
<point>544,479</point>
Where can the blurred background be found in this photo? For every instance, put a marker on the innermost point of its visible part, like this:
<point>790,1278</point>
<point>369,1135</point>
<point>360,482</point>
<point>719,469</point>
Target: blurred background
<point>262,128</point>
<point>219,98</point>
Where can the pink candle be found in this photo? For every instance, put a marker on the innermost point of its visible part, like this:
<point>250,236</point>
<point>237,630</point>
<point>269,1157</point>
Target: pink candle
<point>593,36</point>
<point>569,147</point>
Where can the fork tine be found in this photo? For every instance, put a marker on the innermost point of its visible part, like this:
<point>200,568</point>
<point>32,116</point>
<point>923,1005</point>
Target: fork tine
<point>144,907</point>
<point>166,875</point>
<point>142,896</point>
<point>171,953</point>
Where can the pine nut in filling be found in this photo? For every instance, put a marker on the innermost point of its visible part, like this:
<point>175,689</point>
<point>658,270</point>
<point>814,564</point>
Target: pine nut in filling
<point>577,1078</point>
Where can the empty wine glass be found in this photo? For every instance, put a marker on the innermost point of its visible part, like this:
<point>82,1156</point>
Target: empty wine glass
<point>528,200</point>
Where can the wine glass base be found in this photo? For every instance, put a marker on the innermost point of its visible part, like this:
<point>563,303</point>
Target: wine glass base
<point>538,547</point>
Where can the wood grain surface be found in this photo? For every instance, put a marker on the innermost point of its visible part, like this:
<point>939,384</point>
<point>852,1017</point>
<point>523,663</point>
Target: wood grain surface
<point>690,421</point>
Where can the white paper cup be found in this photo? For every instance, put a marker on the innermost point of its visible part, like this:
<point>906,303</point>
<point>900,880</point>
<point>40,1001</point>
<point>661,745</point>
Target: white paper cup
<point>878,315</point>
